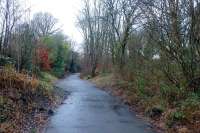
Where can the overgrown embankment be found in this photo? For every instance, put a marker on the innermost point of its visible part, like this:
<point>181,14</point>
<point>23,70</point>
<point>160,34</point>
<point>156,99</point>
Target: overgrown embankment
<point>26,102</point>
<point>169,108</point>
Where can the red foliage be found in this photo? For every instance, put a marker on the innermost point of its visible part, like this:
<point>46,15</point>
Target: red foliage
<point>43,55</point>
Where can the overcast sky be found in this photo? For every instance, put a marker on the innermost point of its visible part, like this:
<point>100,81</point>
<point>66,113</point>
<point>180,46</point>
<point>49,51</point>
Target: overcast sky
<point>65,11</point>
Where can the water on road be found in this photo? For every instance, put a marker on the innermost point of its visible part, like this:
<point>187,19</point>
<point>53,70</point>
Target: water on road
<point>91,110</point>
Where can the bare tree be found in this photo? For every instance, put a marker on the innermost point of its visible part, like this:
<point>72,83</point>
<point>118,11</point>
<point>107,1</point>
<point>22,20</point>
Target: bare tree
<point>45,24</point>
<point>177,24</point>
<point>11,13</point>
<point>94,31</point>
<point>123,15</point>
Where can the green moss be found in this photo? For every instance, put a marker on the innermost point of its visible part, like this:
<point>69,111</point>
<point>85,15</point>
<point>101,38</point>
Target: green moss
<point>47,77</point>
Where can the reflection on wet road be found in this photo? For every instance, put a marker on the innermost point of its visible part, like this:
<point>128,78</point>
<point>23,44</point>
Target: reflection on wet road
<point>90,110</point>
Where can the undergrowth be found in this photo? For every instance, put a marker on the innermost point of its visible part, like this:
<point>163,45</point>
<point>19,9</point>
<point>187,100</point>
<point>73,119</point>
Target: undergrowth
<point>24,99</point>
<point>176,107</point>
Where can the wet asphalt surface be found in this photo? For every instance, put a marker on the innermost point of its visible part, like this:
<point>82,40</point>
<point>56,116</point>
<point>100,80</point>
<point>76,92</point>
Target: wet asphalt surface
<point>91,110</point>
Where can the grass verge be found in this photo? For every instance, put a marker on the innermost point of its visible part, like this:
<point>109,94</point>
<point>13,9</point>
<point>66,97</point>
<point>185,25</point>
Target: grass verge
<point>170,109</point>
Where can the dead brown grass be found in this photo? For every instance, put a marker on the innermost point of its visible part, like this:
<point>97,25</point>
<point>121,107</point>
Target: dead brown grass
<point>24,101</point>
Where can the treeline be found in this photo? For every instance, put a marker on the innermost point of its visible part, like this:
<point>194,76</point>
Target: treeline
<point>32,44</point>
<point>135,34</point>
<point>154,44</point>
<point>33,53</point>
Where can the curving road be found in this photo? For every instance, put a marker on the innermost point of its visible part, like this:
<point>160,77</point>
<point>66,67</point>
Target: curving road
<point>91,110</point>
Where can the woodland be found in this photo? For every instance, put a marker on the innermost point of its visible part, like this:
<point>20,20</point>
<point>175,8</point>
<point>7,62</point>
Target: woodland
<point>34,53</point>
<point>149,52</point>
<point>146,52</point>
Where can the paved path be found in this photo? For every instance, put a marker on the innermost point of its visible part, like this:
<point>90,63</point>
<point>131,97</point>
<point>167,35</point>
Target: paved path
<point>91,110</point>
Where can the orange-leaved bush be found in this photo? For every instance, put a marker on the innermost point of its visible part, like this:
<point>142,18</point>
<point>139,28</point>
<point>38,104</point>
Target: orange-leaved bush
<point>43,55</point>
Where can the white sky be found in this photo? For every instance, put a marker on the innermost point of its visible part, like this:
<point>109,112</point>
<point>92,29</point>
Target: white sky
<point>66,11</point>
